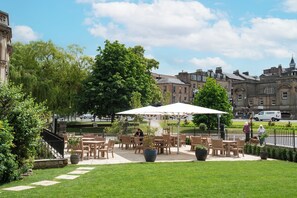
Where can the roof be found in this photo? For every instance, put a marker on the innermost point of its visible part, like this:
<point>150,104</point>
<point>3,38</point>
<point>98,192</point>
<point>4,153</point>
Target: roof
<point>170,80</point>
<point>233,76</point>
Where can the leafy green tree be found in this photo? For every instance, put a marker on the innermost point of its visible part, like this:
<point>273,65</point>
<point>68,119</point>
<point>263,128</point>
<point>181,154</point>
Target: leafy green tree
<point>49,73</point>
<point>213,96</point>
<point>8,166</point>
<point>119,72</point>
<point>27,119</point>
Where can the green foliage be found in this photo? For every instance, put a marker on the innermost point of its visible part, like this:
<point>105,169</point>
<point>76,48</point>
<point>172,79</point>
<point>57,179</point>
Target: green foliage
<point>8,166</point>
<point>200,147</point>
<point>213,96</point>
<point>273,153</point>
<point>202,127</point>
<point>117,127</point>
<point>290,155</point>
<point>118,74</point>
<point>50,74</point>
<point>271,123</point>
<point>254,149</point>
<point>27,119</point>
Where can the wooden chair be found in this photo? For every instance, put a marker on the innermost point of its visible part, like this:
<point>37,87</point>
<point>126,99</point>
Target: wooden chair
<point>97,138</point>
<point>182,139</point>
<point>109,147</point>
<point>126,140</point>
<point>238,148</point>
<point>195,140</point>
<point>166,144</point>
<point>217,145</point>
<point>208,144</point>
<point>81,149</point>
<point>138,144</point>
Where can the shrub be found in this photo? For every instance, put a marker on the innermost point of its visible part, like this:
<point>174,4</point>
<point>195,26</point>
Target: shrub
<point>269,152</point>
<point>254,151</point>
<point>202,127</point>
<point>273,153</point>
<point>295,157</point>
<point>290,155</point>
<point>258,151</point>
<point>27,118</point>
<point>8,166</point>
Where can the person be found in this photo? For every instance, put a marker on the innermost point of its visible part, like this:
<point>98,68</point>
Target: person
<point>246,129</point>
<point>261,131</point>
<point>138,133</point>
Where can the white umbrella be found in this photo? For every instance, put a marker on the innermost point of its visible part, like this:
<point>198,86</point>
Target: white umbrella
<point>140,111</point>
<point>180,110</point>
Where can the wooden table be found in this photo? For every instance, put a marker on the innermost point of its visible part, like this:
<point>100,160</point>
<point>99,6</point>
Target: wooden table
<point>95,143</point>
<point>228,144</point>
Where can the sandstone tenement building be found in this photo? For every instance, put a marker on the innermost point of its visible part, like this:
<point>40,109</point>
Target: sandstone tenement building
<point>275,89</point>
<point>5,46</point>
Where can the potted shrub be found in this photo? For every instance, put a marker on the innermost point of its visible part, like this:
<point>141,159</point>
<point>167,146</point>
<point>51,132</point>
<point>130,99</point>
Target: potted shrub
<point>263,153</point>
<point>149,149</point>
<point>73,143</point>
<point>201,152</point>
<point>262,138</point>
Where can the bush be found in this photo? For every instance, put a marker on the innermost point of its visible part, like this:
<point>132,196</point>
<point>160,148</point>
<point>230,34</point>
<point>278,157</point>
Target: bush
<point>290,155</point>
<point>273,153</point>
<point>8,166</point>
<point>27,118</point>
<point>202,127</point>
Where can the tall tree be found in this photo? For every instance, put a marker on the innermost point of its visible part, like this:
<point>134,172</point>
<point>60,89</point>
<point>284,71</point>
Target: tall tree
<point>51,74</point>
<point>118,73</point>
<point>213,95</point>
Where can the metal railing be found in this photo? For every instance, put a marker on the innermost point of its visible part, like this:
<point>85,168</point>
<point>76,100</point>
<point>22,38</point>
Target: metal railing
<point>54,143</point>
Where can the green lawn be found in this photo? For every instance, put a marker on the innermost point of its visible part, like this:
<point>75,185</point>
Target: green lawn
<point>188,179</point>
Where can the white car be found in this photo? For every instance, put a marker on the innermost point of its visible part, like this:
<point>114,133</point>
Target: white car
<point>86,116</point>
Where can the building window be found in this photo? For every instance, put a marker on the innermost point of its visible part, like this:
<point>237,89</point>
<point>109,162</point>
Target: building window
<point>185,98</point>
<point>194,85</point>
<point>185,89</point>
<point>173,89</point>
<point>204,78</point>
<point>251,102</point>
<point>193,77</point>
<point>164,88</point>
<point>239,97</point>
<point>273,102</point>
<point>269,90</point>
<point>173,99</point>
<point>198,78</point>
<point>261,102</point>
<point>285,95</point>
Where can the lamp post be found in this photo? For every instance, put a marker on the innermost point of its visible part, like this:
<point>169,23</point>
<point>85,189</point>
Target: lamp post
<point>251,121</point>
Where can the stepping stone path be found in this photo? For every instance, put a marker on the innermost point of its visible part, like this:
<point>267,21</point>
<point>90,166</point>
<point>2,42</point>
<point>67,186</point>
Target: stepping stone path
<point>71,175</point>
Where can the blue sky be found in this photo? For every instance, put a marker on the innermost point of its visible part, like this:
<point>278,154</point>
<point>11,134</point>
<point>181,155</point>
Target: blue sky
<point>249,35</point>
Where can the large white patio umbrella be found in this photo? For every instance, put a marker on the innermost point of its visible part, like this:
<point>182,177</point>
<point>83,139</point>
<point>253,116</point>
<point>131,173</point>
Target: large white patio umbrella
<point>179,110</point>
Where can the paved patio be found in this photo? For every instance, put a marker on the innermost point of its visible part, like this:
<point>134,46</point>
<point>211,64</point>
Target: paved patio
<point>128,156</point>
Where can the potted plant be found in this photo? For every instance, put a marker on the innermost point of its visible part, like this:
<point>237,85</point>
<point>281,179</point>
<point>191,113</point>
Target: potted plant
<point>149,149</point>
<point>201,152</point>
<point>73,143</point>
<point>263,152</point>
<point>262,137</point>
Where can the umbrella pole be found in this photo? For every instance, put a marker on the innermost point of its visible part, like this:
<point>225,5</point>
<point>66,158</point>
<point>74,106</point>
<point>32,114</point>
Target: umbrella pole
<point>178,123</point>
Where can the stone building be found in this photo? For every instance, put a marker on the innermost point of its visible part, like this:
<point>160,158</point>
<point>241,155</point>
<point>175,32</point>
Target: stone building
<point>5,46</point>
<point>275,90</point>
<point>172,88</point>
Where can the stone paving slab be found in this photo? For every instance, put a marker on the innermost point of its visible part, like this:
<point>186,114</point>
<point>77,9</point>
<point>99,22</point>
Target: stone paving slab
<point>85,168</point>
<point>78,172</point>
<point>45,183</point>
<point>67,177</point>
<point>18,188</point>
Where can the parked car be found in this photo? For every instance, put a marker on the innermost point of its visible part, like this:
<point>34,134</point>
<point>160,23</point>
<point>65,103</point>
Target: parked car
<point>268,115</point>
<point>86,116</point>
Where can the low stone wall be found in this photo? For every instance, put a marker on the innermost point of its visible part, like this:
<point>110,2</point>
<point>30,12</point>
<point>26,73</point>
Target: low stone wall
<point>50,163</point>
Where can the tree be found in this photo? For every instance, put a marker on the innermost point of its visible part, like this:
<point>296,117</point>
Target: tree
<point>213,96</point>
<point>27,119</point>
<point>49,73</point>
<point>118,74</point>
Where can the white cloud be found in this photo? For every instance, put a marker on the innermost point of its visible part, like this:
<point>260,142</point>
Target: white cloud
<point>24,34</point>
<point>191,25</point>
<point>209,62</point>
<point>290,5</point>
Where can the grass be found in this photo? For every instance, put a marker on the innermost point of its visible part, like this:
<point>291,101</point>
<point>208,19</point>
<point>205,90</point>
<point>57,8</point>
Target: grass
<point>185,179</point>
